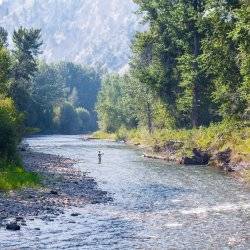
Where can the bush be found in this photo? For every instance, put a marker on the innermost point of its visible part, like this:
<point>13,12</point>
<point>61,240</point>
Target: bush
<point>10,129</point>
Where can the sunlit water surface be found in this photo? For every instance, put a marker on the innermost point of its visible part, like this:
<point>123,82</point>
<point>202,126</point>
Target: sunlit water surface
<point>157,205</point>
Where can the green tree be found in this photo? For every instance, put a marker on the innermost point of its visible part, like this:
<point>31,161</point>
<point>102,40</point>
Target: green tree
<point>84,119</point>
<point>46,91</point>
<point>27,43</point>
<point>68,121</point>
<point>5,62</point>
<point>3,37</point>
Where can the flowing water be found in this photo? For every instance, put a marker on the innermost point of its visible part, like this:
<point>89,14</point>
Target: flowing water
<point>157,205</point>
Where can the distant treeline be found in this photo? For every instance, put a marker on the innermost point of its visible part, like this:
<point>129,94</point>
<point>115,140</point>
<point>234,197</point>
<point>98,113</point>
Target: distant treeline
<point>35,96</point>
<point>62,98</point>
<point>190,68</point>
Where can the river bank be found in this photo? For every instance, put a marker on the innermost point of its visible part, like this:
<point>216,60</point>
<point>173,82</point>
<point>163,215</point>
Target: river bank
<point>63,186</point>
<point>156,204</point>
<point>222,146</point>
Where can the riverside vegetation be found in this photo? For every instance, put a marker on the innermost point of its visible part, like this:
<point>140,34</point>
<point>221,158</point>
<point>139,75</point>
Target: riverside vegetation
<point>38,97</point>
<point>188,85</point>
<point>188,88</point>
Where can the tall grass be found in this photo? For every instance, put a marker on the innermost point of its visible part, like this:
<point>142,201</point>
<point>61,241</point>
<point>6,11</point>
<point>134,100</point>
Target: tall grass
<point>15,177</point>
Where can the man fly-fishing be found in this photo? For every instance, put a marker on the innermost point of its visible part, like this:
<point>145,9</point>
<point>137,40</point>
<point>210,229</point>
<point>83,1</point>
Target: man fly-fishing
<point>100,154</point>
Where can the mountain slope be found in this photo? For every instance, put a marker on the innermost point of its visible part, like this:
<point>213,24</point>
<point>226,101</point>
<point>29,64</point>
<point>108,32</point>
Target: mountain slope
<point>84,31</point>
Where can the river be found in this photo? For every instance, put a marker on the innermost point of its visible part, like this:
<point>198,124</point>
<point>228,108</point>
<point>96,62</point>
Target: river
<point>156,204</point>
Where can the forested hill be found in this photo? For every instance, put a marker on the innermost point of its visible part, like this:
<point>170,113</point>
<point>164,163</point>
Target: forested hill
<point>83,31</point>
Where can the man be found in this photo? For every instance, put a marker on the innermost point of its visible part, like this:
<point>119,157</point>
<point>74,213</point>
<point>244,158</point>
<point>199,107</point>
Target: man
<point>100,157</point>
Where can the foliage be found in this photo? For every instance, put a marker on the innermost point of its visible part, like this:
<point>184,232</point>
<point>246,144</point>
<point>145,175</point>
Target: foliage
<point>10,125</point>
<point>5,63</point>
<point>15,177</point>
<point>125,102</point>
<point>101,135</point>
<point>195,55</point>
<point>68,122</point>
<point>83,118</point>
<point>56,84</point>
<point>27,43</point>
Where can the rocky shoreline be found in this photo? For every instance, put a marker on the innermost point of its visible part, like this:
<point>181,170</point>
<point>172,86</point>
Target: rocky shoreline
<point>63,186</point>
<point>223,160</point>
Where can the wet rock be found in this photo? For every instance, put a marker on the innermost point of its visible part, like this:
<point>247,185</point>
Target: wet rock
<point>13,227</point>
<point>19,218</point>
<point>75,214</point>
<point>223,160</point>
<point>54,192</point>
<point>199,158</point>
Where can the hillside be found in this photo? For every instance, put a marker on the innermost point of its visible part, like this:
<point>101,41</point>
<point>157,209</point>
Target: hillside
<point>86,31</point>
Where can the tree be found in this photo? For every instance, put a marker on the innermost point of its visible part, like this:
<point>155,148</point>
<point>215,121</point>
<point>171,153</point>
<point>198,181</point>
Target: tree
<point>27,43</point>
<point>222,56</point>
<point>126,102</point>
<point>195,56</point>
<point>172,49</point>
<point>5,62</point>
<point>84,119</point>
<point>46,91</point>
<point>3,37</point>
<point>68,121</point>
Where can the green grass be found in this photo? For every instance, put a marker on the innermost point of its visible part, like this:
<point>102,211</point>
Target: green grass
<point>101,135</point>
<point>15,177</point>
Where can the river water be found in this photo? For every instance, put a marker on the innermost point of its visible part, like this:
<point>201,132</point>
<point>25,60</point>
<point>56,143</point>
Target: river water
<point>156,205</point>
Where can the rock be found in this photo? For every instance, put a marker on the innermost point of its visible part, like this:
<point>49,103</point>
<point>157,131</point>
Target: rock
<point>223,160</point>
<point>75,214</point>
<point>23,147</point>
<point>37,229</point>
<point>13,227</point>
<point>224,156</point>
<point>54,192</point>
<point>199,158</point>
<point>230,169</point>
<point>19,218</point>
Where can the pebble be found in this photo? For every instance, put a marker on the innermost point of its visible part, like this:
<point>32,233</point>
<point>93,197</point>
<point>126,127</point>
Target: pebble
<point>54,192</point>
<point>55,195</point>
<point>13,227</point>
<point>75,214</point>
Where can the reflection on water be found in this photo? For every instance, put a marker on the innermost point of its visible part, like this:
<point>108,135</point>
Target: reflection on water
<point>157,205</point>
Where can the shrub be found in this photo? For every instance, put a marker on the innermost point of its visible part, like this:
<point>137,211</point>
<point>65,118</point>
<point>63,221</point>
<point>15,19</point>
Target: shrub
<point>10,129</point>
